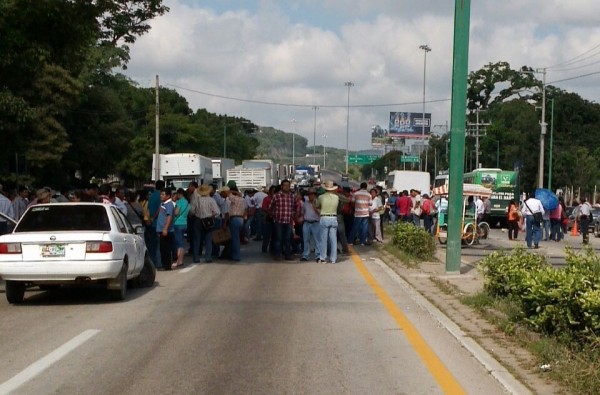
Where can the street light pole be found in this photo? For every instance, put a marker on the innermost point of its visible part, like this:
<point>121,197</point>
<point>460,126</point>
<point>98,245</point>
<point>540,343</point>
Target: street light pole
<point>294,144</point>
<point>315,137</point>
<point>551,144</point>
<point>324,153</point>
<point>349,84</point>
<point>425,49</point>
<point>543,131</point>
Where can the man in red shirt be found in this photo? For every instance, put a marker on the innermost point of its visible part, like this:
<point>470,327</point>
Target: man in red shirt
<point>282,208</point>
<point>404,204</point>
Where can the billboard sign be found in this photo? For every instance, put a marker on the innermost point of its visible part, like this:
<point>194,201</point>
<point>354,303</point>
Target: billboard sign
<point>409,124</point>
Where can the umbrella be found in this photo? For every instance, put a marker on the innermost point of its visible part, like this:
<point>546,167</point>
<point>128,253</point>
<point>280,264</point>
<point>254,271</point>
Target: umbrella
<point>547,197</point>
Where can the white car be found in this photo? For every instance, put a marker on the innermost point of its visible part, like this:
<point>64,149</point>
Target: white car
<point>74,243</point>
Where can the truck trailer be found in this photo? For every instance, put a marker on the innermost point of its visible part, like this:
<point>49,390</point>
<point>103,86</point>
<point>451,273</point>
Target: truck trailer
<point>219,170</point>
<point>178,170</point>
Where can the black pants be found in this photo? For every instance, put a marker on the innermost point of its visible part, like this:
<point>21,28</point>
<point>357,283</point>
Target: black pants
<point>166,258</point>
<point>513,229</point>
<point>584,227</point>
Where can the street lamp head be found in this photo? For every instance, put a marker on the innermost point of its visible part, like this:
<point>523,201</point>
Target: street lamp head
<point>425,48</point>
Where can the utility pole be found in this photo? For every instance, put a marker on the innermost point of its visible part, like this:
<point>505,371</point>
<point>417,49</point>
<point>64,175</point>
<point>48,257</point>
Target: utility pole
<point>157,136</point>
<point>543,125</point>
<point>294,145</point>
<point>477,125</point>
<point>315,137</point>
<point>425,49</point>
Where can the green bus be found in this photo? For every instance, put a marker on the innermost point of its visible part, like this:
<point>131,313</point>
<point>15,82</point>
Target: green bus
<point>503,183</point>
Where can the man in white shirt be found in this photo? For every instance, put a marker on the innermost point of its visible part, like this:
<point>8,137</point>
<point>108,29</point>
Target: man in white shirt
<point>530,208</point>
<point>479,209</point>
<point>584,217</point>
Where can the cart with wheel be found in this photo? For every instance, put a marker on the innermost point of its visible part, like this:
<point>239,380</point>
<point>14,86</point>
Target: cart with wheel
<point>472,231</point>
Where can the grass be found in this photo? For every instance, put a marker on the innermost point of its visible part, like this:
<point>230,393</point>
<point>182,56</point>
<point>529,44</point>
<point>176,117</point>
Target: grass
<point>408,260</point>
<point>574,366</point>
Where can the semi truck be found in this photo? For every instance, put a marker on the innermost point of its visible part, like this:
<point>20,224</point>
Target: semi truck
<point>406,180</point>
<point>178,170</point>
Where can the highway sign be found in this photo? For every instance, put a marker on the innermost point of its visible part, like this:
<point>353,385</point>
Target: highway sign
<point>362,159</point>
<point>409,159</point>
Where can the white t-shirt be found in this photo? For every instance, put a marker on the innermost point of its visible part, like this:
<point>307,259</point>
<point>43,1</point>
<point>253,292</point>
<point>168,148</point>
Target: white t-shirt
<point>375,205</point>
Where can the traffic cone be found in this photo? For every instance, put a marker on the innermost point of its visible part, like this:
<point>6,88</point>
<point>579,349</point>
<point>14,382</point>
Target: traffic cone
<point>574,230</point>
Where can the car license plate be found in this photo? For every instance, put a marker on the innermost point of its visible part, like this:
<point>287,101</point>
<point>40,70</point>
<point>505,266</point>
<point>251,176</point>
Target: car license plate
<point>53,250</point>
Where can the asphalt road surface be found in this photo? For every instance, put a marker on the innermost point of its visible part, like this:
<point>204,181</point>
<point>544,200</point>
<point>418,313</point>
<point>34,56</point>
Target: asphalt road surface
<point>260,327</point>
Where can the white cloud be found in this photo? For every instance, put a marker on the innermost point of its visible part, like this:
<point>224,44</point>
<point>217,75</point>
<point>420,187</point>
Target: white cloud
<point>301,52</point>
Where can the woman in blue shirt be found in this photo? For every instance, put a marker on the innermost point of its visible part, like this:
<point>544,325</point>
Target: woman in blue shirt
<point>182,208</point>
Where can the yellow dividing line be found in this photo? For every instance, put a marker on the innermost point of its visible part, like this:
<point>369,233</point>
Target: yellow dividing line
<point>438,370</point>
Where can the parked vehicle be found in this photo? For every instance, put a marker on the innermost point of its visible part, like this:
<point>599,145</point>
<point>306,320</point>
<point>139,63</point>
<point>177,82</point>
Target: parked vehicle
<point>219,170</point>
<point>178,170</point>
<point>74,243</point>
<point>407,180</point>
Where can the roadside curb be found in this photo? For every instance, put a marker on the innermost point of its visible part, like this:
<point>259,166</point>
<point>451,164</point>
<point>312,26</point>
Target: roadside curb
<point>495,368</point>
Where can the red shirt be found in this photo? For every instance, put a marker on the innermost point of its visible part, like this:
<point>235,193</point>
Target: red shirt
<point>404,204</point>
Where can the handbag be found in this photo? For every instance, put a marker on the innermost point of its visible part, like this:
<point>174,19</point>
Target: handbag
<point>208,223</point>
<point>221,236</point>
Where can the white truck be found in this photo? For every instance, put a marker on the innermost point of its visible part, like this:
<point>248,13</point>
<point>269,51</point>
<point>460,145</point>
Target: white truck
<point>406,180</point>
<point>219,170</point>
<point>254,174</point>
<point>178,170</point>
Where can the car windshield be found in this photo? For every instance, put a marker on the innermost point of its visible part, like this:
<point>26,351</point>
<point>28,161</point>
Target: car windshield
<point>64,218</point>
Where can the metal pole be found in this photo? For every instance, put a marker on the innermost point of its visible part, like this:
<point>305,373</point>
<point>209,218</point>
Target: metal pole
<point>551,145</point>
<point>349,84</point>
<point>425,49</point>
<point>476,142</point>
<point>543,131</point>
<point>225,140</point>
<point>157,137</point>
<point>315,137</point>
<point>324,153</point>
<point>294,144</point>
<point>462,14</point>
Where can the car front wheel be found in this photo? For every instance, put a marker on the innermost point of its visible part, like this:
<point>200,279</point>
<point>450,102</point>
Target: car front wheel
<point>15,291</point>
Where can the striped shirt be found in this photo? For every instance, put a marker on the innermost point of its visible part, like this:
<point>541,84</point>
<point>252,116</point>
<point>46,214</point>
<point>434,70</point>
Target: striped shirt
<point>237,206</point>
<point>362,202</point>
<point>207,207</point>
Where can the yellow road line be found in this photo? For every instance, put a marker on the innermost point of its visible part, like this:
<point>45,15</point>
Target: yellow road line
<point>438,370</point>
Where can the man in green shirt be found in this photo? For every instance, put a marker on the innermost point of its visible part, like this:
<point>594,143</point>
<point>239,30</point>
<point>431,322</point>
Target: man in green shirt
<point>328,205</point>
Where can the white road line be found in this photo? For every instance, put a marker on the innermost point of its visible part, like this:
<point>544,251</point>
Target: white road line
<point>44,363</point>
<point>187,269</point>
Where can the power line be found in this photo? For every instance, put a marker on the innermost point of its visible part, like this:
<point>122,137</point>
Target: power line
<point>300,105</point>
<point>575,58</point>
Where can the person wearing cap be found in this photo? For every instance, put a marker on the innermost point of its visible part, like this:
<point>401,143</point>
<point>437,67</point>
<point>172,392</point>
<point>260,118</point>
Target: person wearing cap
<point>311,228</point>
<point>204,208</point>
<point>328,203</point>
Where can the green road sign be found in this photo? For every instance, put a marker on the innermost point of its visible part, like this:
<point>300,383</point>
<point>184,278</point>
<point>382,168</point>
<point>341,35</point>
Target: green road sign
<point>362,159</point>
<point>409,159</point>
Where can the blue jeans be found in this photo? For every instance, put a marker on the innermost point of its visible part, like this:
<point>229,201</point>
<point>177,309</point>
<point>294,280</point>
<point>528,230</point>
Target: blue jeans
<point>202,237</point>
<point>546,225</point>
<point>283,240</point>
<point>308,230</point>
<point>329,238</point>
<point>533,231</point>
<point>359,226</point>
<point>259,222</point>
<point>556,232</point>
<point>151,239</point>
<point>235,224</point>
<point>247,229</point>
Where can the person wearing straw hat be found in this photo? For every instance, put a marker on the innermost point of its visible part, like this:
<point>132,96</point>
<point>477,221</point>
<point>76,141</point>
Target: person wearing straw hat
<point>205,208</point>
<point>327,203</point>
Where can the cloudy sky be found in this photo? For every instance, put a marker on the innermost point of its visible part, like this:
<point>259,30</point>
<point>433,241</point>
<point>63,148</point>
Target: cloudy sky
<point>274,61</point>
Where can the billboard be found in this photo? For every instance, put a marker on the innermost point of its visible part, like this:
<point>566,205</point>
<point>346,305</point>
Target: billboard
<point>409,124</point>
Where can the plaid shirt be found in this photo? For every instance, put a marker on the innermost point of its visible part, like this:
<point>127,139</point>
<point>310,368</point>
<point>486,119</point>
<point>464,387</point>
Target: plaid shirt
<point>237,206</point>
<point>282,207</point>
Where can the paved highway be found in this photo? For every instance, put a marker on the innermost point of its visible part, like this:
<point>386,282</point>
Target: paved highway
<point>258,327</point>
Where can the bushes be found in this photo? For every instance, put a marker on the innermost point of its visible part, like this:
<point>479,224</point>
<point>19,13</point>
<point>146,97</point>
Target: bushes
<point>413,241</point>
<point>563,301</point>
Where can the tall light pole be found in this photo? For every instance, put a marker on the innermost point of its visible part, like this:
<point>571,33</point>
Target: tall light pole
<point>324,153</point>
<point>349,84</point>
<point>425,49</point>
<point>294,144</point>
<point>315,137</point>
<point>551,144</point>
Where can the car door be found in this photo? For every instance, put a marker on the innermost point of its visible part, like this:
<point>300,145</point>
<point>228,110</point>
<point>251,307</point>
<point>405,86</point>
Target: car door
<point>128,240</point>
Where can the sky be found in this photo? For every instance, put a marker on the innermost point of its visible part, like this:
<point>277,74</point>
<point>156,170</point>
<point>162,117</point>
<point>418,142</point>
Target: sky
<point>273,62</point>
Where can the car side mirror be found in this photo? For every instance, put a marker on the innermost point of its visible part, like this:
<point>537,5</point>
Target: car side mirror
<point>139,230</point>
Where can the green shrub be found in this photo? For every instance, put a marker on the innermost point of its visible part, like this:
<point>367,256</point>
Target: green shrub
<point>413,241</point>
<point>564,301</point>
<point>505,274</point>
